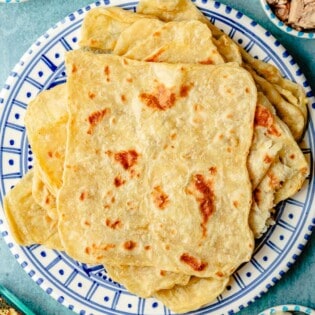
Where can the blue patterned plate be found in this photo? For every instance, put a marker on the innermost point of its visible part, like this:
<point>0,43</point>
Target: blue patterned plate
<point>88,289</point>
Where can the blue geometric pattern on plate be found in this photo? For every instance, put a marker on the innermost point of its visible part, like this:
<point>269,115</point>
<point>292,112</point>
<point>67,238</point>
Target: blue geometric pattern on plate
<point>88,289</point>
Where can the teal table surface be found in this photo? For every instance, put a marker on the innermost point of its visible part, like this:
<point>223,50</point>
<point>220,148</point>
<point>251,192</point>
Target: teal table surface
<point>20,25</point>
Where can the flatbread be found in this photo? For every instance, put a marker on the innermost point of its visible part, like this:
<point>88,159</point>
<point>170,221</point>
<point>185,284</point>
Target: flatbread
<point>292,115</point>
<point>49,154</point>
<point>277,149</point>
<point>264,151</point>
<point>146,281</point>
<point>265,147</point>
<point>41,194</point>
<point>102,26</point>
<point>29,223</point>
<point>174,42</point>
<point>198,292</point>
<point>140,165</point>
<point>287,166</point>
<point>286,96</point>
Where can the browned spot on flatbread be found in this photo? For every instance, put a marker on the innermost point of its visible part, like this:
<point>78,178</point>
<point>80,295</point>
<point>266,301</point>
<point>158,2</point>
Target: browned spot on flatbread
<point>109,153</point>
<point>264,118</point>
<point>184,90</point>
<point>129,80</point>
<point>162,98</point>
<point>160,198</point>
<point>235,203</point>
<point>173,136</point>
<point>74,68</point>
<point>123,98</point>
<point>55,154</point>
<point>208,61</point>
<point>118,181</point>
<point>162,273</point>
<point>193,262</point>
<point>83,195</point>
<point>197,107</point>
<point>93,42</point>
<point>219,274</point>
<point>95,118</point>
<point>205,198</point>
<point>157,33</point>
<point>247,90</point>
<point>108,246</point>
<point>47,200</point>
<point>127,159</point>
<point>91,95</point>
<point>292,156</point>
<point>268,159</point>
<point>113,224</point>
<point>87,223</point>
<point>257,195</point>
<point>155,56</point>
<point>130,245</point>
<point>213,170</point>
<point>147,247</point>
<point>48,219</point>
<point>107,73</point>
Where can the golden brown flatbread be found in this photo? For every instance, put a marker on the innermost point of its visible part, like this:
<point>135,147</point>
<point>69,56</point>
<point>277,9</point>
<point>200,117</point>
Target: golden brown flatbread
<point>132,146</point>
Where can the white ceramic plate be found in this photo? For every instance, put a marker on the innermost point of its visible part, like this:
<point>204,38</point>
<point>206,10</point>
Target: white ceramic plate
<point>87,289</point>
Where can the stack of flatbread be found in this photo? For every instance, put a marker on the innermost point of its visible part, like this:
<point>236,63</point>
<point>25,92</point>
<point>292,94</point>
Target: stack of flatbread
<point>163,155</point>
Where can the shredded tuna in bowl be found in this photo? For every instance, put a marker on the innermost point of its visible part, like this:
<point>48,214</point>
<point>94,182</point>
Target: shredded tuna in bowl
<point>295,17</point>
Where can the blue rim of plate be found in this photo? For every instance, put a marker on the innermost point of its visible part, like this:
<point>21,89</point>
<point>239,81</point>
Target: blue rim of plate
<point>88,289</point>
<point>282,26</point>
<point>286,308</point>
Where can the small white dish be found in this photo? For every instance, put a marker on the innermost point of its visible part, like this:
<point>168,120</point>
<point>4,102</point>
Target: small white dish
<point>282,26</point>
<point>284,309</point>
<point>12,1</point>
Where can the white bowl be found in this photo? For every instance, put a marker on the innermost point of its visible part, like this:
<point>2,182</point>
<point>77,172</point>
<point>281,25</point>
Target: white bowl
<point>287,308</point>
<point>12,1</point>
<point>285,28</point>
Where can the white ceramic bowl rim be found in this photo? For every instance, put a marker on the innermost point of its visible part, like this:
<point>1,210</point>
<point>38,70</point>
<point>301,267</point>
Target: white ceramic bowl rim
<point>285,28</point>
<point>288,307</point>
